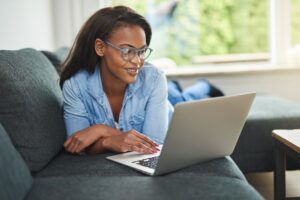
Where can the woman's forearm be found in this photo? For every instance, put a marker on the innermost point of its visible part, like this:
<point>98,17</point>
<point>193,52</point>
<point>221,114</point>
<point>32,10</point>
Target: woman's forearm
<point>98,147</point>
<point>89,139</point>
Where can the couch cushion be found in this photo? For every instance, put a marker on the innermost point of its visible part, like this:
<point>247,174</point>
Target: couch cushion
<point>93,177</point>
<point>142,187</point>
<point>31,105</point>
<point>66,165</point>
<point>254,150</point>
<point>15,177</point>
<point>55,61</point>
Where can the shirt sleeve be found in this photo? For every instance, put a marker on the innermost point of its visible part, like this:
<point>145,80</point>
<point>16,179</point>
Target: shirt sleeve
<point>75,114</point>
<point>157,111</point>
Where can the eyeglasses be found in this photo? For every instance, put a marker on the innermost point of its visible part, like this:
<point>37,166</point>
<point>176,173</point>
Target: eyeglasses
<point>128,53</point>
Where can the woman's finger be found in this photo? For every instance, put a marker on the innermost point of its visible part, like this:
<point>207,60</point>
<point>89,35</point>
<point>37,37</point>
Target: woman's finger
<point>72,146</point>
<point>76,146</point>
<point>134,139</point>
<point>69,143</point>
<point>145,138</point>
<point>80,147</point>
<point>144,148</point>
<point>139,150</point>
<point>66,144</point>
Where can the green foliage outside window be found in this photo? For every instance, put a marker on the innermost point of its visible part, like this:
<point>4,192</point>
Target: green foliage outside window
<point>233,26</point>
<point>295,21</point>
<point>210,27</point>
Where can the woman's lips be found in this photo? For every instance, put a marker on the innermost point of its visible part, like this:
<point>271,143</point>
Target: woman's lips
<point>132,71</point>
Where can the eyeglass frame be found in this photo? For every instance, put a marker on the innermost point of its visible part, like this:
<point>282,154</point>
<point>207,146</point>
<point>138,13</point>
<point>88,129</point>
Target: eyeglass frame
<point>124,49</point>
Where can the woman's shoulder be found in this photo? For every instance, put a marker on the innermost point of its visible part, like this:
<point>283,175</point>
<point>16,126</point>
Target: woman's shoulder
<point>150,76</point>
<point>79,79</point>
<point>80,75</point>
<point>151,72</point>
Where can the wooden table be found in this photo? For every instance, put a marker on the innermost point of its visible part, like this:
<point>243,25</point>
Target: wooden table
<point>287,142</point>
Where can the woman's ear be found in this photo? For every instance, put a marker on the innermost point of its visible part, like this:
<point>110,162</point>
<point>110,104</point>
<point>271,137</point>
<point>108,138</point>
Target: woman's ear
<point>99,47</point>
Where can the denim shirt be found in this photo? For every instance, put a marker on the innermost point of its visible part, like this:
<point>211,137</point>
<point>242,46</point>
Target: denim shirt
<point>145,106</point>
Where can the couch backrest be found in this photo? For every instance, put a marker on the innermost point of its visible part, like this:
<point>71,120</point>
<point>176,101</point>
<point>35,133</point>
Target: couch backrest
<point>31,105</point>
<point>15,177</point>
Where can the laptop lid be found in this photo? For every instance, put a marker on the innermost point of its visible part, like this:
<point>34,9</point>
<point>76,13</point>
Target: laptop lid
<point>199,131</point>
<point>203,130</point>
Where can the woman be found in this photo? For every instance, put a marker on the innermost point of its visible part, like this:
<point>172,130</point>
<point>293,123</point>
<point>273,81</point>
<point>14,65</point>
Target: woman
<point>111,101</point>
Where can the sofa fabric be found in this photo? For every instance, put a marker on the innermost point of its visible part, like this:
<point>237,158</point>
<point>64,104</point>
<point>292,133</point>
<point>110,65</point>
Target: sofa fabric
<point>94,177</point>
<point>254,151</point>
<point>31,105</point>
<point>15,176</point>
<point>142,187</point>
<point>66,165</point>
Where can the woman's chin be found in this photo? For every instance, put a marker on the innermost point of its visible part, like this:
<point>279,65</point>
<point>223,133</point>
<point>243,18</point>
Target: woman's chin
<point>130,80</point>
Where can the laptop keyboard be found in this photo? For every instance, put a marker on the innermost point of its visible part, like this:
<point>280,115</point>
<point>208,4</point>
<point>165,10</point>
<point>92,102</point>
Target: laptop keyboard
<point>148,162</point>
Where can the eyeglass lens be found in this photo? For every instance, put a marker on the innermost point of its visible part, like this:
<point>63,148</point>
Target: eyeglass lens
<point>130,53</point>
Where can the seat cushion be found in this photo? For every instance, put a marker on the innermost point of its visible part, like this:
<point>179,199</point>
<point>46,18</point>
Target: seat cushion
<point>15,177</point>
<point>66,165</point>
<point>142,187</point>
<point>31,105</point>
<point>254,151</point>
<point>94,177</point>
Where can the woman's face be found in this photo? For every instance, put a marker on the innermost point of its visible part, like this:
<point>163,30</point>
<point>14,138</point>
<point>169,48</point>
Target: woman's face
<point>113,63</point>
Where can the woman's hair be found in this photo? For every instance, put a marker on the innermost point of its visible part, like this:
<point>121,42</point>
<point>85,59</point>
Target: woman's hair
<point>100,25</point>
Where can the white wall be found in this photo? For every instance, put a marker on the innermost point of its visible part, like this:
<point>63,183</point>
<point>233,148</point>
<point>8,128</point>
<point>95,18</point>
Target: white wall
<point>42,24</point>
<point>26,23</point>
<point>68,18</point>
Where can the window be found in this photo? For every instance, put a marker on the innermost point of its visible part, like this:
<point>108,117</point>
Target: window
<point>295,21</point>
<point>191,28</point>
<point>220,31</point>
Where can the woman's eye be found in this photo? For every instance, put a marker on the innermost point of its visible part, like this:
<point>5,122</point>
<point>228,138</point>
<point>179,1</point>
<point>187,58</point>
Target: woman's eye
<point>126,50</point>
<point>142,52</point>
<point>131,52</point>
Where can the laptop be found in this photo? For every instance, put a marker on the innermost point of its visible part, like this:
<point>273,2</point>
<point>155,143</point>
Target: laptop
<point>199,131</point>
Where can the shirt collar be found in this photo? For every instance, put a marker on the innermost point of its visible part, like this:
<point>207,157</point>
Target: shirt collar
<point>95,86</point>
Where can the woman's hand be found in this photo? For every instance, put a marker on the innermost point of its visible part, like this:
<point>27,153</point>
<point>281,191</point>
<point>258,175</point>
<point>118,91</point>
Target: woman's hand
<point>84,138</point>
<point>130,141</point>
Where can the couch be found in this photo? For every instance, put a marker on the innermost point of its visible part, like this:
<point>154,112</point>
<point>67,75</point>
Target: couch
<point>254,151</point>
<point>33,164</point>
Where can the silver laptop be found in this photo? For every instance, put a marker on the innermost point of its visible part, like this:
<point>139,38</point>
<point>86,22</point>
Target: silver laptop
<point>199,131</point>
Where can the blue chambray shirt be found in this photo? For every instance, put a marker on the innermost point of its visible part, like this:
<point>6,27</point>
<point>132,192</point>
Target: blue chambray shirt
<point>145,106</point>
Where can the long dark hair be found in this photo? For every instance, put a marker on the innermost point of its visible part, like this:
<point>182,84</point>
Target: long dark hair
<point>100,25</point>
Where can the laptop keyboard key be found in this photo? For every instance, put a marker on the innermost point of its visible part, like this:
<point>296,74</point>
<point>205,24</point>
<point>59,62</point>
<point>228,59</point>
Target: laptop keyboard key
<point>148,162</point>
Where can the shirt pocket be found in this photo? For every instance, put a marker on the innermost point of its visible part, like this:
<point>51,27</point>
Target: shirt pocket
<point>99,120</point>
<point>137,122</point>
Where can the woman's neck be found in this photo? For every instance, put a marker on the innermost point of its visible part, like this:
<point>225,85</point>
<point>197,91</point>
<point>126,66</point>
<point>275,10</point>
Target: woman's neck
<point>111,85</point>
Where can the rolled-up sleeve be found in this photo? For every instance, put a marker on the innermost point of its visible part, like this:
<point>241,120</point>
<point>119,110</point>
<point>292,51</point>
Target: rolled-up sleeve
<point>75,114</point>
<point>157,111</point>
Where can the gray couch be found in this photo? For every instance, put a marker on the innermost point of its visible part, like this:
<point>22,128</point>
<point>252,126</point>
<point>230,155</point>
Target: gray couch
<point>33,164</point>
<point>254,151</point>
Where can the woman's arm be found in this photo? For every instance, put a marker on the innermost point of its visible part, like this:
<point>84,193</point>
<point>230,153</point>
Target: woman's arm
<point>158,111</point>
<point>82,139</point>
<point>123,142</point>
<point>100,138</point>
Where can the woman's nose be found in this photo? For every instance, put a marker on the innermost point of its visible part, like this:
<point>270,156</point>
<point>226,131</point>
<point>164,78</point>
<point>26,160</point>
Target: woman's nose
<point>137,60</point>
